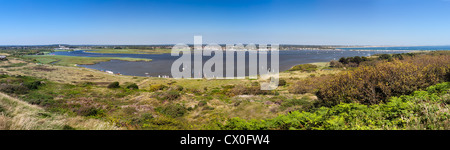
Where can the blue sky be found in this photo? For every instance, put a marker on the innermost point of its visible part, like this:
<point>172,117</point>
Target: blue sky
<point>329,22</point>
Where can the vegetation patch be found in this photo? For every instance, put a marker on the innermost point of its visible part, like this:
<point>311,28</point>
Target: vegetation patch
<point>169,95</point>
<point>14,65</point>
<point>304,67</point>
<point>113,85</point>
<point>373,84</point>
<point>172,110</point>
<point>420,110</point>
<point>75,60</point>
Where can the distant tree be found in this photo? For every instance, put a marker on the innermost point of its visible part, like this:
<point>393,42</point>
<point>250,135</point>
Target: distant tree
<point>357,59</point>
<point>398,56</point>
<point>336,64</point>
<point>384,57</point>
<point>364,58</point>
<point>343,60</point>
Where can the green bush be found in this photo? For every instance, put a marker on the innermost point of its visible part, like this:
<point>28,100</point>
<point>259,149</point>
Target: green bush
<point>384,57</point>
<point>33,85</point>
<point>281,82</point>
<point>356,60</point>
<point>304,67</point>
<point>336,64</point>
<point>91,112</point>
<point>114,85</point>
<point>133,86</point>
<point>168,95</point>
<point>398,56</point>
<point>348,61</point>
<point>172,110</point>
<point>373,84</point>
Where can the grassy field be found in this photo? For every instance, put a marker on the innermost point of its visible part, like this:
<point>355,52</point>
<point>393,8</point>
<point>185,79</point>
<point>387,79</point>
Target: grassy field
<point>16,114</point>
<point>72,60</point>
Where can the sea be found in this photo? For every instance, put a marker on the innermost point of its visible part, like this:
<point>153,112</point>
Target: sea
<point>161,64</point>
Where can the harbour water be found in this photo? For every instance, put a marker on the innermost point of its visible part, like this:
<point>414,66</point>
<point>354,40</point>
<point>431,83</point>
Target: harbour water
<point>161,63</point>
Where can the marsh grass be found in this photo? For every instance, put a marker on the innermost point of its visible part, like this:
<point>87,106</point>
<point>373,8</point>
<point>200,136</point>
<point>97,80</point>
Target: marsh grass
<point>132,51</point>
<point>19,115</point>
<point>73,60</point>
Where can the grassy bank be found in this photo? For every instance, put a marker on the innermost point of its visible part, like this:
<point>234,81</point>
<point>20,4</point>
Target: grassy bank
<point>16,114</point>
<point>72,60</point>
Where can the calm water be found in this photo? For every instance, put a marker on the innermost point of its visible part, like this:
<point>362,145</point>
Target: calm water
<point>162,63</point>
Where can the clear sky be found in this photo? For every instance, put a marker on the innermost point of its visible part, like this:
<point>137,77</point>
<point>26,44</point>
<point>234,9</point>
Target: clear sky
<point>329,22</point>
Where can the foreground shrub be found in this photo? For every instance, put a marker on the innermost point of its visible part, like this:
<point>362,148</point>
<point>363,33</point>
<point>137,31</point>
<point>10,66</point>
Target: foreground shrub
<point>349,61</point>
<point>420,110</point>
<point>282,82</point>
<point>133,86</point>
<point>114,85</point>
<point>384,57</point>
<point>372,85</point>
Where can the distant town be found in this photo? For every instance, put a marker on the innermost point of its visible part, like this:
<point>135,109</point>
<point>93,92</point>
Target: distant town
<point>65,47</point>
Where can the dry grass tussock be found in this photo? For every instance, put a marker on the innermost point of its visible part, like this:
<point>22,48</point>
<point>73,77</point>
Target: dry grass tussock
<point>18,115</point>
